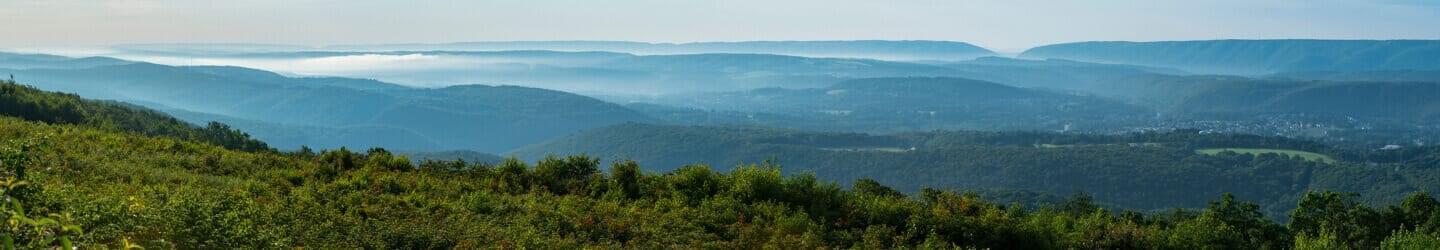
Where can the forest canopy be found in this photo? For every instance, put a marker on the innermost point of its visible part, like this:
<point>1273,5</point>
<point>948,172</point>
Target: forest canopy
<point>77,183</point>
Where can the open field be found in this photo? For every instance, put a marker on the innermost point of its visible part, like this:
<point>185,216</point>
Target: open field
<point>1256,151</point>
<point>871,149</point>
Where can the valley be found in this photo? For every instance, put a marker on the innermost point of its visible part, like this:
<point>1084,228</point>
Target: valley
<point>490,135</point>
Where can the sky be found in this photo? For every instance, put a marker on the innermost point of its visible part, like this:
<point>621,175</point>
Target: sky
<point>1009,25</point>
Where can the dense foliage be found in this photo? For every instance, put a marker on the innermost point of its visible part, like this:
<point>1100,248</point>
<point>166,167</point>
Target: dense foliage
<point>901,104</point>
<point>1369,101</point>
<point>56,108</point>
<point>161,192</point>
<point>89,174</point>
<point>1142,170</point>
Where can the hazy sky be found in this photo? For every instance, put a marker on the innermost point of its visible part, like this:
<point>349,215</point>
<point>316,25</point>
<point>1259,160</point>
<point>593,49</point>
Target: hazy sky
<point>1004,25</point>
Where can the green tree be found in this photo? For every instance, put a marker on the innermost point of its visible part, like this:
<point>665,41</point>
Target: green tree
<point>871,187</point>
<point>1256,232</point>
<point>626,175</point>
<point>1320,215</point>
<point>566,175</point>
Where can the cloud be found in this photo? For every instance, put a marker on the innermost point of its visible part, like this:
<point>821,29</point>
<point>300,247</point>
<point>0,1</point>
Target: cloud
<point>366,61</point>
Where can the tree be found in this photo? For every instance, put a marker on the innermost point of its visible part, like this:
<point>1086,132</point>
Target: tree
<point>1415,213</point>
<point>626,175</point>
<point>871,187</point>
<point>511,176</point>
<point>564,175</point>
<point>1338,215</point>
<point>1245,217</point>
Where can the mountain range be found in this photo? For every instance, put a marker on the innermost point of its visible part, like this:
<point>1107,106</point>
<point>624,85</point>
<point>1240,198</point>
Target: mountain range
<point>915,50</point>
<point>1254,57</point>
<point>351,112</point>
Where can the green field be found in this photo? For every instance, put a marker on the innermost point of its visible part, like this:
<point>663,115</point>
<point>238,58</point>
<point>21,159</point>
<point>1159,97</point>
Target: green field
<point>871,149</point>
<point>1256,151</point>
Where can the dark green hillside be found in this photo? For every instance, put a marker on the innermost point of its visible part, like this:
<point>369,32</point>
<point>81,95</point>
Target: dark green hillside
<point>1051,73</point>
<point>350,112</point>
<point>179,194</point>
<point>1255,57</point>
<point>1145,171</point>
<point>914,104</point>
<point>57,108</point>
<point>1221,95</point>
<point>86,186</point>
<point>293,136</point>
<point>1372,76</point>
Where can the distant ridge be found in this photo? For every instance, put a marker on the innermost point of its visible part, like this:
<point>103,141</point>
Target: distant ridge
<point>1255,57</point>
<point>331,112</point>
<point>877,49</point>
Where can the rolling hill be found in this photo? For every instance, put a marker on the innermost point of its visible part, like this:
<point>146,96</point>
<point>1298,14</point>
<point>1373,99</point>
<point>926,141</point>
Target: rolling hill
<point>1409,102</point>
<point>83,181</point>
<point>1254,57</point>
<point>369,113</point>
<point>86,187</point>
<point>906,104</point>
<point>1055,74</point>
<point>1353,76</point>
<point>610,73</point>
<point>1147,171</point>
<point>874,49</point>
<point>40,61</point>
<point>28,103</point>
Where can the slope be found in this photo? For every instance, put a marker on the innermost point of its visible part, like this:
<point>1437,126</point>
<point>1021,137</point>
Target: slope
<point>912,104</point>
<point>485,118</point>
<point>1408,102</point>
<point>1255,57</point>
<point>1145,171</point>
<point>57,108</point>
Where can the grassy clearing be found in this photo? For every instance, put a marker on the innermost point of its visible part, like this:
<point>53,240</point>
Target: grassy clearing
<point>871,149</point>
<point>1256,151</point>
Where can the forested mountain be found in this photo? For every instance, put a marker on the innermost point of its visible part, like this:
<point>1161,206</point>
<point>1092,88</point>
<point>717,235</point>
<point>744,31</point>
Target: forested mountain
<point>1142,171</point>
<point>585,72</point>
<point>626,74</point>
<point>905,104</point>
<point>1411,102</point>
<point>1380,76</point>
<point>1255,57</point>
<point>56,108</point>
<point>816,93</point>
<point>728,72</point>
<point>72,186</point>
<point>1056,74</point>
<point>370,113</point>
